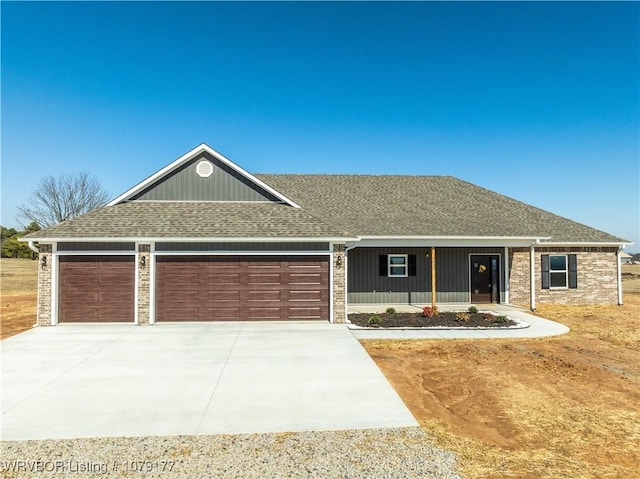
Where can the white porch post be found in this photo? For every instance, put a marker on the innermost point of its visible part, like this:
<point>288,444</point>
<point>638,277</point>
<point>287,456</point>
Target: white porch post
<point>506,275</point>
<point>532,279</point>
<point>619,261</point>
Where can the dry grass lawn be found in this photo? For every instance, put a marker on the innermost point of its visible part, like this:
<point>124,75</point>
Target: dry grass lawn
<point>534,408</point>
<point>18,283</point>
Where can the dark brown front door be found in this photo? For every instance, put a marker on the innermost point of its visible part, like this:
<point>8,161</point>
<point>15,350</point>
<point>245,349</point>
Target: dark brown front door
<point>232,288</point>
<point>485,278</point>
<point>96,289</point>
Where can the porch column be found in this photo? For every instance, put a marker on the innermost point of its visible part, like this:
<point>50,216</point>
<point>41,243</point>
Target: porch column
<point>618,254</point>
<point>532,279</point>
<point>506,275</point>
<point>433,276</point>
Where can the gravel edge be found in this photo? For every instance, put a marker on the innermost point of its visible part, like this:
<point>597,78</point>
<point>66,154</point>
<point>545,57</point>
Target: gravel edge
<point>364,453</point>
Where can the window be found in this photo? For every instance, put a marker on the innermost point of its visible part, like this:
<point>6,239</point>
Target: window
<point>559,271</point>
<point>397,265</point>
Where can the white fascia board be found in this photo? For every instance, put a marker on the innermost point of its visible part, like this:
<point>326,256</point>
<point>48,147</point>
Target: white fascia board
<point>567,244</point>
<point>445,241</point>
<point>198,150</point>
<point>198,240</point>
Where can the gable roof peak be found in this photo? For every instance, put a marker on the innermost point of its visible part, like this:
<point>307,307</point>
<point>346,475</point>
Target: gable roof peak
<point>190,155</point>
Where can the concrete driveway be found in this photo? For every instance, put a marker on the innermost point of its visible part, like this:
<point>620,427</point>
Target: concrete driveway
<point>95,380</point>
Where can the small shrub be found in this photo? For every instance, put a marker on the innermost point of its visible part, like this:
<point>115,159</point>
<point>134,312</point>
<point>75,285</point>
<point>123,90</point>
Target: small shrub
<point>374,320</point>
<point>472,309</point>
<point>463,316</point>
<point>501,319</point>
<point>429,312</point>
<point>391,311</point>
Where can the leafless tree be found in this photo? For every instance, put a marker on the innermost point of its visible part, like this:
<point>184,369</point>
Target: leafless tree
<point>56,199</point>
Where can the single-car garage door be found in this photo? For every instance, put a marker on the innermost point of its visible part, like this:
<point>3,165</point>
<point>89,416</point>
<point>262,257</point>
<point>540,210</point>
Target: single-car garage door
<point>228,288</point>
<point>96,289</point>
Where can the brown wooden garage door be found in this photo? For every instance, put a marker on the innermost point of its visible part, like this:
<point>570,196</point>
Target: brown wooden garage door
<point>96,289</point>
<point>231,288</point>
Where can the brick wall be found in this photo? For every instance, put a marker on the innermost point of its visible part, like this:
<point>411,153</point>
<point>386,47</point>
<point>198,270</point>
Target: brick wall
<point>597,277</point>
<point>45,268</point>
<point>339,277</point>
<point>144,282</point>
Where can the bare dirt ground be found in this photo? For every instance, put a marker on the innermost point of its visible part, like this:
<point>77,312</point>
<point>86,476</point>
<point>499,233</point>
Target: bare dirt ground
<point>562,407</point>
<point>18,282</point>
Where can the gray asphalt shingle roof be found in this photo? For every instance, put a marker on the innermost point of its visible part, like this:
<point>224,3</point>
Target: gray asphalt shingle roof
<point>336,206</point>
<point>386,205</point>
<point>139,219</point>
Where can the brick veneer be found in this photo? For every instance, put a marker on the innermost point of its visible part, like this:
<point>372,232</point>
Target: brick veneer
<point>45,268</point>
<point>597,277</point>
<point>339,282</point>
<point>144,283</point>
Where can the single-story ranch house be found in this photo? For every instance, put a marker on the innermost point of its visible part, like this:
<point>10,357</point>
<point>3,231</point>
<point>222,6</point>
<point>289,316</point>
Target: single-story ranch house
<point>204,240</point>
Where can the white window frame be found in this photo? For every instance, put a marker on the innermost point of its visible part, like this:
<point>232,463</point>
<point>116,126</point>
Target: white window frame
<point>405,265</point>
<point>556,271</point>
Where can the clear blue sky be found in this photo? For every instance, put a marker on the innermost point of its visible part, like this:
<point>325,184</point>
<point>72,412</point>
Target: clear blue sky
<point>537,101</point>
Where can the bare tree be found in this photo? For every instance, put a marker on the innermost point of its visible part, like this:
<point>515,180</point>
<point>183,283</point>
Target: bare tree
<point>56,199</point>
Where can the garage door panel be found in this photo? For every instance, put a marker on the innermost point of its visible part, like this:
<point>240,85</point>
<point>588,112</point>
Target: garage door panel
<point>242,288</point>
<point>305,313</point>
<point>96,289</point>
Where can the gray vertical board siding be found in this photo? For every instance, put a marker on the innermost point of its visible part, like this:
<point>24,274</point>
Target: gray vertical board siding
<point>365,285</point>
<point>184,184</point>
<point>96,246</point>
<point>213,247</point>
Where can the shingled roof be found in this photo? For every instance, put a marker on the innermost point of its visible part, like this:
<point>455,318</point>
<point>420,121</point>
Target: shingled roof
<point>386,205</point>
<point>141,219</point>
<point>337,207</point>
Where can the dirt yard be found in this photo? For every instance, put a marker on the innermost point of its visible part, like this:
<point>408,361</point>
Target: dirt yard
<point>563,407</point>
<point>545,408</point>
<point>18,282</point>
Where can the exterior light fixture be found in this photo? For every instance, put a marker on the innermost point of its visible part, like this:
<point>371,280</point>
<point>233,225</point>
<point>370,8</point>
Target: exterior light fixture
<point>43,262</point>
<point>143,261</point>
<point>339,261</point>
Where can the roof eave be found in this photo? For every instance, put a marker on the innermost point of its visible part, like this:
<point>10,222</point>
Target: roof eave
<point>142,239</point>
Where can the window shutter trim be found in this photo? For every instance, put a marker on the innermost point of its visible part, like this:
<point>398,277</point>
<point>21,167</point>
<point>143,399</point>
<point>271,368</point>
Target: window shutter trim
<point>545,271</point>
<point>412,268</point>
<point>383,265</point>
<point>573,271</point>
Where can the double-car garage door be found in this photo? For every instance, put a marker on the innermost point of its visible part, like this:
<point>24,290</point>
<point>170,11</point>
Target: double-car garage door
<point>197,288</point>
<point>209,288</point>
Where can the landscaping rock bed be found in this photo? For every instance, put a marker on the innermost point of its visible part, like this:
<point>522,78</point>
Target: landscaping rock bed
<point>447,319</point>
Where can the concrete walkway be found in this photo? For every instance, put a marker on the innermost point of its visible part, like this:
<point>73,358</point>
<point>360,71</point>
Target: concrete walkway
<point>538,327</point>
<point>93,380</point>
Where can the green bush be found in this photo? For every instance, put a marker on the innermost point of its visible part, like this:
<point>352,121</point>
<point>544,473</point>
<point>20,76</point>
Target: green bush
<point>501,319</point>
<point>374,320</point>
<point>472,309</point>
<point>391,311</point>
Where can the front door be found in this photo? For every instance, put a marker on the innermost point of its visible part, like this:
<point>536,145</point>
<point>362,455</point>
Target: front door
<point>485,278</point>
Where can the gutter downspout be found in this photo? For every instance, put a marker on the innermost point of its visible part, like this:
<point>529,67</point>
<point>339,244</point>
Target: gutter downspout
<point>33,248</point>
<point>532,279</point>
<point>619,264</point>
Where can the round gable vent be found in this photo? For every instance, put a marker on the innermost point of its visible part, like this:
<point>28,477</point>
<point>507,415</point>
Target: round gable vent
<point>204,169</point>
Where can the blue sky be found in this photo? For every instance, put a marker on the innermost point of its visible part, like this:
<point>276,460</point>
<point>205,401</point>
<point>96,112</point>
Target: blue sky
<point>538,101</point>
